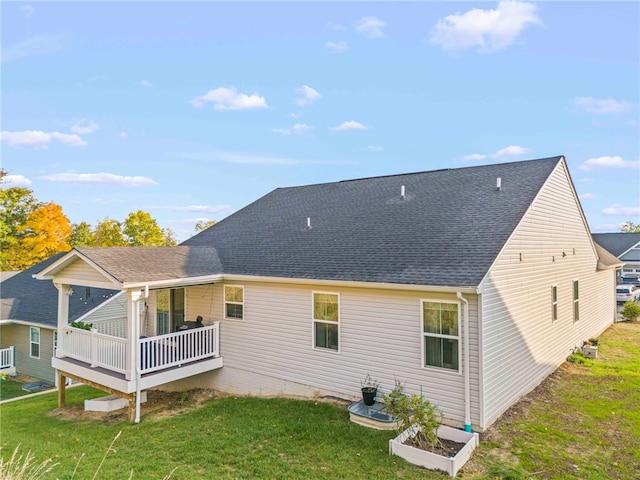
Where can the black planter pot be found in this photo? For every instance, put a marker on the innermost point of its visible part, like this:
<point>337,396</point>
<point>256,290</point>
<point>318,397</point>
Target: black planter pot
<point>369,396</point>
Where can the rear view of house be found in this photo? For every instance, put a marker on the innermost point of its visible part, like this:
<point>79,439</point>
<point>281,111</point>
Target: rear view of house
<point>469,285</point>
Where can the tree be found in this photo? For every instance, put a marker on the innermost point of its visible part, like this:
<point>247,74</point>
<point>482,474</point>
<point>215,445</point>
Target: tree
<point>16,204</point>
<point>45,233</point>
<point>630,227</point>
<point>81,235</point>
<point>169,237</point>
<point>202,225</point>
<point>141,229</point>
<point>108,233</point>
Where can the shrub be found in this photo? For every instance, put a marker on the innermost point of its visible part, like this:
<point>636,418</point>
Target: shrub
<point>82,325</point>
<point>630,311</point>
<point>411,411</point>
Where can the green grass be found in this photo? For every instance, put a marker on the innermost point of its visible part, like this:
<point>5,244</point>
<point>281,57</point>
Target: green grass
<point>584,423</point>
<point>11,389</point>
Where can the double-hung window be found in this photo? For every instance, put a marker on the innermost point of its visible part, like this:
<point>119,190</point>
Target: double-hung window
<point>554,303</point>
<point>441,334</point>
<point>326,320</point>
<point>576,301</point>
<point>234,302</point>
<point>34,340</point>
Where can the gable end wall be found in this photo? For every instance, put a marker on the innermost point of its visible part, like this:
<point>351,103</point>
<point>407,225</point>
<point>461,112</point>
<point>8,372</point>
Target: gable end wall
<point>522,345</point>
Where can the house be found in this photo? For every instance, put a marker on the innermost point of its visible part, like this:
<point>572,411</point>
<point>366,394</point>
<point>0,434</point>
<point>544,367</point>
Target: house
<point>626,247</point>
<point>470,285</point>
<point>29,317</point>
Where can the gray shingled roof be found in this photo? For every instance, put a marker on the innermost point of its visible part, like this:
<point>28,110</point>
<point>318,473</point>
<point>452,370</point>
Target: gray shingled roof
<point>448,229</point>
<point>617,243</point>
<point>26,299</point>
<point>147,264</point>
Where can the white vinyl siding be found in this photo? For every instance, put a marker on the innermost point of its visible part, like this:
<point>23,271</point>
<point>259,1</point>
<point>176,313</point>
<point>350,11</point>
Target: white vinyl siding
<point>520,346</point>
<point>81,273</point>
<point>380,334</point>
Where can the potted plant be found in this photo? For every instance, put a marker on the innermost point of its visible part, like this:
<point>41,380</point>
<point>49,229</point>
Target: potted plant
<point>369,390</point>
<point>422,439</point>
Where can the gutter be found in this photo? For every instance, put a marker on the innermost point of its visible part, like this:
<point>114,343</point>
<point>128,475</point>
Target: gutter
<point>467,387</point>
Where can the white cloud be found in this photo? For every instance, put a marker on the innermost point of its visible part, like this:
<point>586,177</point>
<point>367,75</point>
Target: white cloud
<point>350,125</point>
<point>230,99</point>
<point>375,148</point>
<point>15,181</point>
<point>617,209</point>
<point>603,106</point>
<point>31,47</point>
<point>146,83</point>
<point>39,139</point>
<point>99,179</point>
<point>608,162</point>
<point>190,208</point>
<point>28,10</point>
<point>510,151</point>
<point>336,47</point>
<point>502,154</point>
<point>84,127</point>
<point>298,128</point>
<point>488,30</point>
<point>370,27</point>
<point>587,196</point>
<point>606,227</point>
<point>336,26</point>
<point>474,157</point>
<point>309,96</point>
<point>248,158</point>
<point>123,134</point>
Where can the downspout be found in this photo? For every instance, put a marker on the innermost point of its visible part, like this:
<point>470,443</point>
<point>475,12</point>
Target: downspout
<point>137,359</point>
<point>467,388</point>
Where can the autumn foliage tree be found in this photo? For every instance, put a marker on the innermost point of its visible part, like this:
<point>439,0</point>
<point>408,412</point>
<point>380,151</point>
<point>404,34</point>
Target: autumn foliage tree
<point>141,229</point>
<point>45,233</point>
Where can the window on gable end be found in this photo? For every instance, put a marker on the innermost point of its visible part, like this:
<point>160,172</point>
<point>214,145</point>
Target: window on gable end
<point>326,320</point>
<point>234,302</point>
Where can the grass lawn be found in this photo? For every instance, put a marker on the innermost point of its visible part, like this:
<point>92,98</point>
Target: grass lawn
<point>582,423</point>
<point>10,389</point>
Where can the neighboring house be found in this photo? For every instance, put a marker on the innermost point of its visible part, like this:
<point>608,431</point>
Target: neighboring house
<point>626,247</point>
<point>29,315</point>
<point>468,285</point>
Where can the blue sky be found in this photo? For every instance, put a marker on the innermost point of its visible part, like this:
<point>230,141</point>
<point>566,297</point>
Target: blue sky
<point>191,111</point>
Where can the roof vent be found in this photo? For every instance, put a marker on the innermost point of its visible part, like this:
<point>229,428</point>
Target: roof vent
<point>498,184</point>
<point>402,192</point>
<point>308,223</point>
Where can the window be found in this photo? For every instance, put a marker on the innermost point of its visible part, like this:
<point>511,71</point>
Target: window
<point>554,302</point>
<point>234,302</point>
<point>326,319</point>
<point>441,334</point>
<point>169,309</point>
<point>576,301</point>
<point>34,338</point>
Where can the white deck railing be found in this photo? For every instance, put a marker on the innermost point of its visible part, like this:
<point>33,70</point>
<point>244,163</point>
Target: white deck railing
<point>173,349</point>
<point>116,327</point>
<point>6,357</point>
<point>156,353</point>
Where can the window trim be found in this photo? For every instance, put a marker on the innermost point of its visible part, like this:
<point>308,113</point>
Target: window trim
<point>424,335</point>
<point>314,346</point>
<point>554,302</point>
<point>576,299</point>
<point>32,343</point>
<point>225,302</point>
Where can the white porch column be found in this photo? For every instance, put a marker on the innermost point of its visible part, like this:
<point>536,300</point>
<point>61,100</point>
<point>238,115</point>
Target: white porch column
<point>64,292</point>
<point>133,332</point>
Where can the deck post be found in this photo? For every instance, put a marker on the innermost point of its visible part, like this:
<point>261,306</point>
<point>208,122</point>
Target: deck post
<point>64,292</point>
<point>62,388</point>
